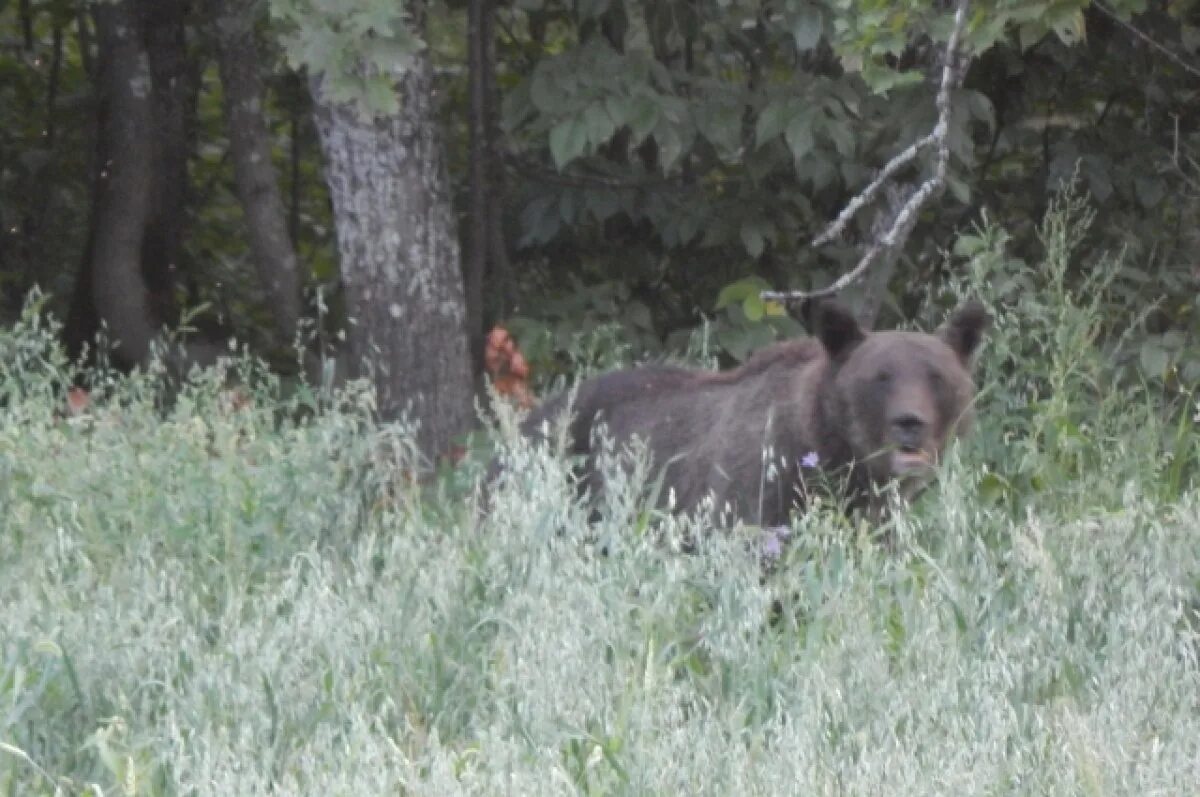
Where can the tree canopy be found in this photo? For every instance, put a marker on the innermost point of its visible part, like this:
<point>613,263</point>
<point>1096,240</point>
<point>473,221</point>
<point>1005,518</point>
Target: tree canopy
<point>645,166</point>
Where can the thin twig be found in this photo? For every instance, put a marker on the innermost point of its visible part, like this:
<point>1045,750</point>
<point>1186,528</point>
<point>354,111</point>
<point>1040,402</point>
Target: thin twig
<point>1181,169</point>
<point>1162,48</point>
<point>851,210</point>
<point>953,71</point>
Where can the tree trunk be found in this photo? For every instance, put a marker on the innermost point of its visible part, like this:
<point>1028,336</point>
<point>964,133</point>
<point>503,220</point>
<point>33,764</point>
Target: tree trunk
<point>111,288</point>
<point>487,255</point>
<point>250,142</point>
<point>400,257</point>
<point>498,277</point>
<point>164,33</point>
<point>122,198</point>
<point>478,208</point>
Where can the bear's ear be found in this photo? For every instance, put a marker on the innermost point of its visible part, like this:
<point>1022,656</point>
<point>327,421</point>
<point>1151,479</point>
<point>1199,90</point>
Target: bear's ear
<point>964,330</point>
<point>833,325</point>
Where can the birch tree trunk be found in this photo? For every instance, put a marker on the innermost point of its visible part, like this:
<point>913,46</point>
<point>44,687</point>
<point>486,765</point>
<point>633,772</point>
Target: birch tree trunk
<point>399,256</point>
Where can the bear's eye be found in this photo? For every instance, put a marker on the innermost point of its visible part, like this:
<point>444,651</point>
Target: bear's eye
<point>883,377</point>
<point>936,378</point>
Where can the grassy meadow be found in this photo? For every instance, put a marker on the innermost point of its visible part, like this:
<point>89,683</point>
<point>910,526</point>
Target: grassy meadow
<point>207,597</point>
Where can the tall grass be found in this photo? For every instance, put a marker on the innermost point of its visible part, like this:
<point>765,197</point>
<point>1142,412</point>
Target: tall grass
<point>200,599</point>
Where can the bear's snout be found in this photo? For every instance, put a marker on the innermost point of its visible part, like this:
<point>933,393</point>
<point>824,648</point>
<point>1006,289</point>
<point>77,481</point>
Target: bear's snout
<point>908,430</point>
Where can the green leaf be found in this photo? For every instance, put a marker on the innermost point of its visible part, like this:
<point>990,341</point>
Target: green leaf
<point>1030,34</point>
<point>380,95</point>
<point>540,221</point>
<point>842,137</point>
<point>770,122</point>
<point>968,245</point>
<point>799,134</point>
<point>642,116</point>
<point>883,79</point>
<point>390,53</point>
<point>670,146</point>
<point>734,292</point>
<point>752,306</point>
<point>598,123</point>
<point>619,109</point>
<point>568,139</point>
<point>752,238</point>
<point>980,107</point>
<point>735,342</point>
<point>721,123</point>
<point>807,28</point>
<point>738,291</point>
<point>1071,28</point>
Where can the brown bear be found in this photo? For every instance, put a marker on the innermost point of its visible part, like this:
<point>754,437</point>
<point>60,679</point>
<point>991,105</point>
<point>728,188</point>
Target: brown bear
<point>847,407</point>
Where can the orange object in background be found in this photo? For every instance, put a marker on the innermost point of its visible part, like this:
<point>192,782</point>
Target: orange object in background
<point>77,401</point>
<point>507,367</point>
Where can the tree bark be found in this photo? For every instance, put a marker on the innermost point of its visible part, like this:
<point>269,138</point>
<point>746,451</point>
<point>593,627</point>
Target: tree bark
<point>111,288</point>
<point>164,34</point>
<point>400,257</point>
<point>122,198</point>
<point>478,208</point>
<point>498,275</point>
<point>25,11</point>
<point>250,142</point>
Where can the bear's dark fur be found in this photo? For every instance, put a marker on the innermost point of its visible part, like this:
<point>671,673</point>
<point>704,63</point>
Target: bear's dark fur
<point>864,408</point>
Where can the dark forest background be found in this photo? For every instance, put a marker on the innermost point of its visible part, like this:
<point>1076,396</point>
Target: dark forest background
<point>603,178</point>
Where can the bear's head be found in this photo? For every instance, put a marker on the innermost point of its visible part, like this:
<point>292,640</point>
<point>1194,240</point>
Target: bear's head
<point>898,398</point>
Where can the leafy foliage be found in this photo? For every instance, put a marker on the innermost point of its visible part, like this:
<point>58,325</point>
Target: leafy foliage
<point>1068,377</point>
<point>676,148</point>
<point>357,48</point>
<point>710,141</point>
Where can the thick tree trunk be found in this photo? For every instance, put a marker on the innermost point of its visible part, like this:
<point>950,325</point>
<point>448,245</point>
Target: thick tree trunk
<point>112,288</point>
<point>164,33</point>
<point>250,142</point>
<point>124,183</point>
<point>400,257</point>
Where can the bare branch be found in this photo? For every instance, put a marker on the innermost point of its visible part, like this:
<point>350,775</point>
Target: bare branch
<point>1181,163</point>
<point>953,71</point>
<point>859,202</point>
<point>1108,12</point>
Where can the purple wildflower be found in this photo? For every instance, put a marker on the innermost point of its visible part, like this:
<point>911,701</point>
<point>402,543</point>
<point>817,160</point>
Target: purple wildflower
<point>810,460</point>
<point>773,539</point>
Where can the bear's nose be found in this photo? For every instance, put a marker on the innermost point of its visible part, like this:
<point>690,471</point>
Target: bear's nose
<point>909,429</point>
